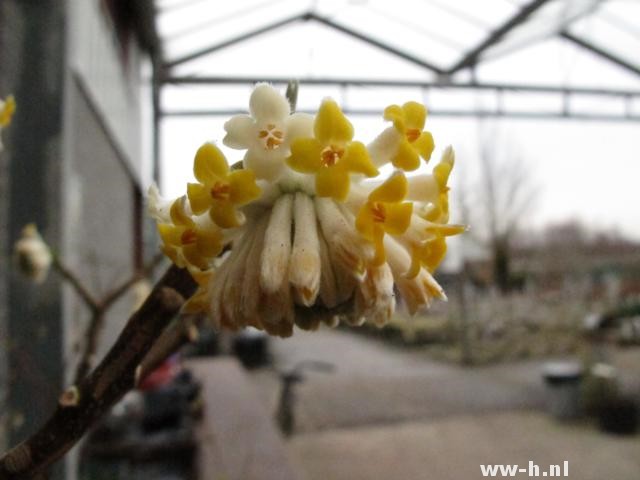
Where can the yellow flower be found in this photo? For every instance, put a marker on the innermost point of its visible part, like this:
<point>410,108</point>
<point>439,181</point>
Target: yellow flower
<point>331,155</point>
<point>200,300</point>
<point>186,242</point>
<point>414,143</point>
<point>7,108</point>
<point>384,212</point>
<point>219,190</point>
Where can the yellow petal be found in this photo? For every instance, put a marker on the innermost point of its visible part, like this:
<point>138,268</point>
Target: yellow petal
<point>433,253</point>
<point>170,234</point>
<point>331,127</point>
<point>7,111</point>
<point>380,255</point>
<point>441,173</point>
<point>209,242</point>
<point>209,164</point>
<point>364,222</point>
<point>416,264</point>
<point>424,145</point>
<point>191,253</point>
<point>332,182</point>
<point>356,159</point>
<point>179,214</point>
<point>414,114</point>
<point>199,198</point>
<point>395,114</point>
<point>393,190</point>
<point>223,214</point>
<point>305,155</point>
<point>406,157</point>
<point>170,252</point>
<point>398,217</point>
<point>243,187</point>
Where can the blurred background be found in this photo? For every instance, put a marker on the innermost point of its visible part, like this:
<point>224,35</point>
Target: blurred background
<point>536,355</point>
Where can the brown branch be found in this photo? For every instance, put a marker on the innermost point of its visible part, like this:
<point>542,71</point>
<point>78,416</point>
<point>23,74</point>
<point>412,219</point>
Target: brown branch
<point>82,404</point>
<point>123,288</point>
<point>99,314</point>
<point>182,331</point>
<point>75,282</point>
<point>90,345</point>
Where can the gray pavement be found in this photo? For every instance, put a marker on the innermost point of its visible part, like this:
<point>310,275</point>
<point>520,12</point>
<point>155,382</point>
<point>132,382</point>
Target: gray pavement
<point>388,413</point>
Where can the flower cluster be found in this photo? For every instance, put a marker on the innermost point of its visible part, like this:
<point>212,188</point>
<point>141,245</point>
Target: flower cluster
<point>306,231</point>
<point>7,108</point>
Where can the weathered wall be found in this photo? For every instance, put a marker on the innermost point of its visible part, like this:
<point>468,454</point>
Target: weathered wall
<point>31,67</point>
<point>98,218</point>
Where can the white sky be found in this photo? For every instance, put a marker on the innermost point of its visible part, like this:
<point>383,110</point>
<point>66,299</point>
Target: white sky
<point>585,170</point>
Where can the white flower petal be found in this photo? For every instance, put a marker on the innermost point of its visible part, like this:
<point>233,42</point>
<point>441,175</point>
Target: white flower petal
<point>298,125</point>
<point>267,165</point>
<point>267,104</point>
<point>240,132</point>
<point>304,265</point>
<point>384,147</point>
<point>274,262</point>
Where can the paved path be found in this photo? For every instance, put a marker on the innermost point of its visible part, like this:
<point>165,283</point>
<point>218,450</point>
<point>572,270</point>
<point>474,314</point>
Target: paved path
<point>375,383</point>
<point>455,447</point>
<point>387,413</point>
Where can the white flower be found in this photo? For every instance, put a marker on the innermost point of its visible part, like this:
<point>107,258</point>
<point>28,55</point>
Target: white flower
<point>32,254</point>
<point>267,133</point>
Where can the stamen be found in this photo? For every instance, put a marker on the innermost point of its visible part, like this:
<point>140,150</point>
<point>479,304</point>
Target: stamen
<point>221,191</point>
<point>273,138</point>
<point>331,155</point>
<point>188,237</point>
<point>379,213</point>
<point>413,134</point>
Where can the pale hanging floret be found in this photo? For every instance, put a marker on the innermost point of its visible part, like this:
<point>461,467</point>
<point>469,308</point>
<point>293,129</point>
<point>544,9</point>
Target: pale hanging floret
<point>32,254</point>
<point>304,265</point>
<point>274,263</point>
<point>267,133</point>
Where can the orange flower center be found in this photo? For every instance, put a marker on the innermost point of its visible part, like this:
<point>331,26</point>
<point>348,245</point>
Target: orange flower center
<point>220,191</point>
<point>413,134</point>
<point>272,137</point>
<point>188,237</point>
<point>378,212</point>
<point>331,155</point>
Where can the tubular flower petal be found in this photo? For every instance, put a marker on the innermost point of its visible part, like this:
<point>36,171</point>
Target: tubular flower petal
<point>220,191</point>
<point>331,155</point>
<point>296,237</point>
<point>408,121</point>
<point>267,133</point>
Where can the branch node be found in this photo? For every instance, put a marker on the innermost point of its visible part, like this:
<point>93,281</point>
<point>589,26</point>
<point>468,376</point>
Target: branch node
<point>70,397</point>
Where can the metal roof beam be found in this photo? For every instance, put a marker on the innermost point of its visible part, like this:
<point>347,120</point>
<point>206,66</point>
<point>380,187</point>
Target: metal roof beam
<point>551,115</point>
<point>377,43</point>
<point>238,39</point>
<point>471,58</point>
<point>361,82</point>
<point>600,52</point>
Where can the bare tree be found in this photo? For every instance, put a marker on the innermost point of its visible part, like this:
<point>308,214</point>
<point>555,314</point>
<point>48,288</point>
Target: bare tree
<point>504,194</point>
